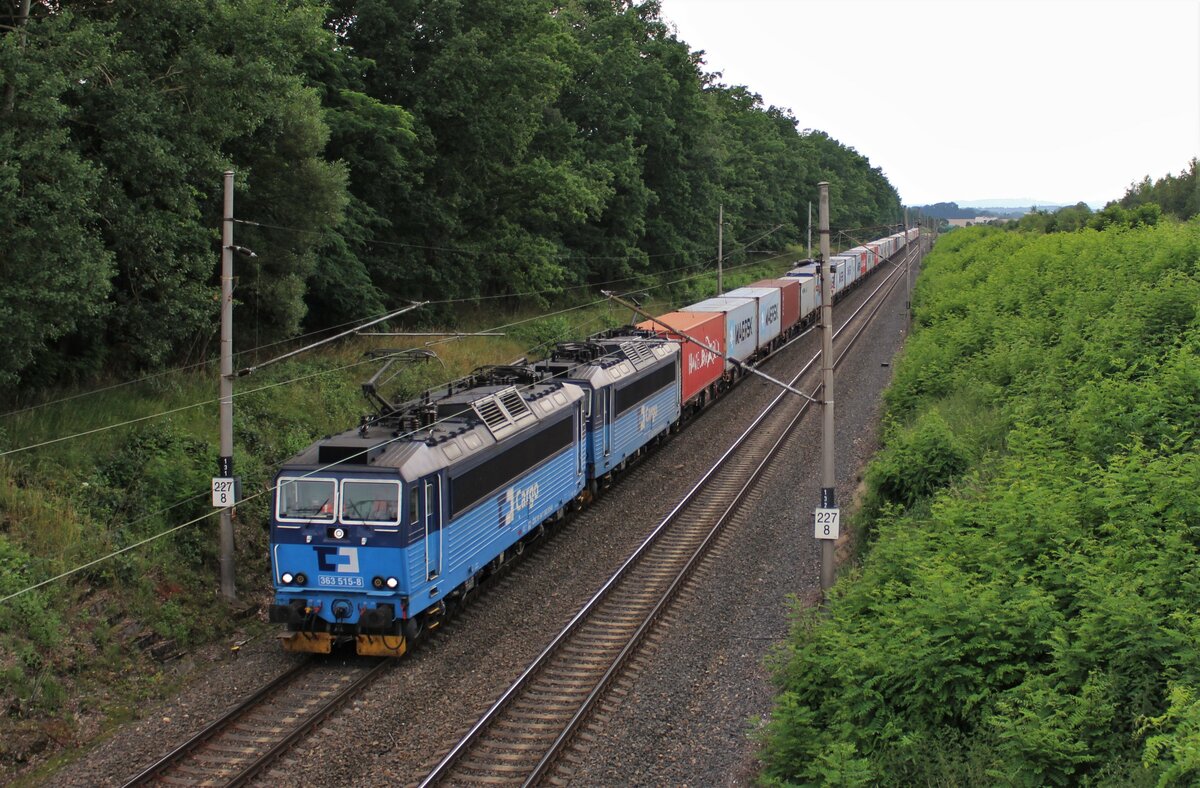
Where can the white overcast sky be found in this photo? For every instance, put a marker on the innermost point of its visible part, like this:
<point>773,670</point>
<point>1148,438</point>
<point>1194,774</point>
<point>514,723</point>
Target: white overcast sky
<point>1051,100</point>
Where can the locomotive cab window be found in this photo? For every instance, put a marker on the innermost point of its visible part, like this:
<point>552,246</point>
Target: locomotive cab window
<point>370,502</point>
<point>306,500</point>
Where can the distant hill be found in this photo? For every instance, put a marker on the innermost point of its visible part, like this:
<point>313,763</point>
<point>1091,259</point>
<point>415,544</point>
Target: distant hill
<point>1007,203</point>
<point>974,209</point>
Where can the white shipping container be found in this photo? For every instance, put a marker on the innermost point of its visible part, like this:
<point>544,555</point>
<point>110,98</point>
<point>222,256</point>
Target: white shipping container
<point>741,324</point>
<point>770,310</point>
<point>863,255</point>
<point>810,296</point>
<point>839,278</point>
<point>845,266</point>
<point>804,270</point>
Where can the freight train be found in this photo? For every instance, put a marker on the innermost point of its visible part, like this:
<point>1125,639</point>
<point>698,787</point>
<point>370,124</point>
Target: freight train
<point>379,532</point>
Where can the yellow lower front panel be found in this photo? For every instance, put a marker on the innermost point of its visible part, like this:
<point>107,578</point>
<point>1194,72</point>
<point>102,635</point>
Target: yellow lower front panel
<point>307,642</point>
<point>380,645</point>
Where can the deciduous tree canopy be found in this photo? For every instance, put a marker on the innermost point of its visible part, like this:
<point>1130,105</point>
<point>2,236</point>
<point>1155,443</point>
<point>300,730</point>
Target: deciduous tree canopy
<point>385,150</point>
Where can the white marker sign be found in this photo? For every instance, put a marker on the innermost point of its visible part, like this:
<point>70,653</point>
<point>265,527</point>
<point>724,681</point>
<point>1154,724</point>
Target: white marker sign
<point>827,523</point>
<point>222,491</point>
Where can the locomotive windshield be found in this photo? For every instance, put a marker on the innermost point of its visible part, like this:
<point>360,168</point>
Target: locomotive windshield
<point>306,499</point>
<point>370,502</point>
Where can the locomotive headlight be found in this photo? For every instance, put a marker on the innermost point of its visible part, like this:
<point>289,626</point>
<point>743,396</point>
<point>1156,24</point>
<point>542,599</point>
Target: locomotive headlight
<point>287,578</point>
<point>392,583</point>
<point>339,533</point>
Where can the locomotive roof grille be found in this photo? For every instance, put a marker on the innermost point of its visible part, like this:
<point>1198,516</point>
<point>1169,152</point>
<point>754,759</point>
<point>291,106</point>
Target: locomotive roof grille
<point>490,411</point>
<point>503,412</point>
<point>515,405</point>
<point>638,353</point>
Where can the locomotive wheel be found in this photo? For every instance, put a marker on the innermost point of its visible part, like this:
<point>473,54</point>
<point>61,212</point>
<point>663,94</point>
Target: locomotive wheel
<point>413,629</point>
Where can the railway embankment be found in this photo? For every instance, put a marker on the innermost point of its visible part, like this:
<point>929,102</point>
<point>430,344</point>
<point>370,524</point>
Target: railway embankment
<point>1026,607</point>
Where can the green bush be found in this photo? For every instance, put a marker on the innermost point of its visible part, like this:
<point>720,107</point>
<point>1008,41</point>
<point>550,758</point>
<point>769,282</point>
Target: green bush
<point>918,460</point>
<point>1174,751</point>
<point>1026,613</point>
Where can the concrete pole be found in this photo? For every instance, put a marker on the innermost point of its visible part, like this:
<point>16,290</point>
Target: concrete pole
<point>809,255</point>
<point>225,461</point>
<point>720,246</point>
<point>828,477</point>
<point>907,286</point>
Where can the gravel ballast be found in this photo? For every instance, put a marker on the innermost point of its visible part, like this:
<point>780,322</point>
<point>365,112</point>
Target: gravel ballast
<point>691,716</point>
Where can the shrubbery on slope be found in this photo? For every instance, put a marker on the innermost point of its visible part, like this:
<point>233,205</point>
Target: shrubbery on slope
<point>1027,611</point>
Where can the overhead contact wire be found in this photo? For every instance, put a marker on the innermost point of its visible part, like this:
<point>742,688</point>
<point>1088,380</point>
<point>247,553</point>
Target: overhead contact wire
<point>744,247</point>
<point>273,488</point>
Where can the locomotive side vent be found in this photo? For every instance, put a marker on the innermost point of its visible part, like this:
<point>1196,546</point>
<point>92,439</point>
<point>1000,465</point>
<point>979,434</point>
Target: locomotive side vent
<point>490,411</point>
<point>496,417</point>
<point>638,353</point>
<point>515,405</point>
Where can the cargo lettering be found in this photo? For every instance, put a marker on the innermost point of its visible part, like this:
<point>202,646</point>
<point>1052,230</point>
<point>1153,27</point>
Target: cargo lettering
<point>646,416</point>
<point>743,331</point>
<point>771,315</point>
<point>700,359</point>
<point>515,500</point>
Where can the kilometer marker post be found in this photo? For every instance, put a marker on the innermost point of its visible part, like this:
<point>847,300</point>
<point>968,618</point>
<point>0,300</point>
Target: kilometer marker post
<point>826,518</point>
<point>225,461</point>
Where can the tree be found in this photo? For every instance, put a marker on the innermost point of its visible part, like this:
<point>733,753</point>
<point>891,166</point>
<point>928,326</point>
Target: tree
<point>385,150</point>
<point>377,144</point>
<point>1178,196</point>
<point>173,113</point>
<point>498,188</point>
<point>54,269</point>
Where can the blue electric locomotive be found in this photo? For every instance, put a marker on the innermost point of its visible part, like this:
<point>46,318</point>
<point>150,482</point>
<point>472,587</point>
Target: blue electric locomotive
<point>631,384</point>
<point>376,530</point>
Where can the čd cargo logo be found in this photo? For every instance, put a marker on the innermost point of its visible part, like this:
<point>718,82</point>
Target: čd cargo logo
<point>337,559</point>
<point>515,500</point>
<point>646,416</point>
<point>743,331</point>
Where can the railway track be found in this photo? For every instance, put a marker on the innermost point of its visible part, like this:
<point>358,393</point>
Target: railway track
<point>249,738</point>
<point>521,737</point>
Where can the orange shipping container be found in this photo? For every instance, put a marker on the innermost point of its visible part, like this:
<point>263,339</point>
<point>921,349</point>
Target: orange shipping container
<point>700,366</point>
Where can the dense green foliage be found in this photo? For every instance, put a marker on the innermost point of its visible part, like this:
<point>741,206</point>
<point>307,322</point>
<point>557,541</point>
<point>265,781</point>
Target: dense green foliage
<point>77,652</point>
<point>1143,204</point>
<point>1176,195</point>
<point>407,149</point>
<point>1080,216</point>
<point>1026,611</point>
